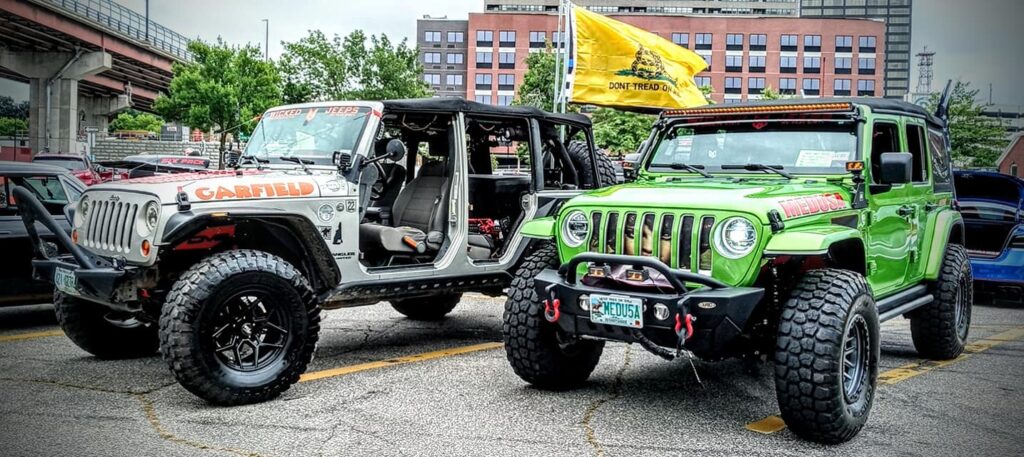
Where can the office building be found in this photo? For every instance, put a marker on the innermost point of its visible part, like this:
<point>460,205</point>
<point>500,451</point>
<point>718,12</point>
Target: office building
<point>443,53</point>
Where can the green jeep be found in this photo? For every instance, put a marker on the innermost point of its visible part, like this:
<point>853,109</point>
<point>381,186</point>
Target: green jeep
<point>785,230</point>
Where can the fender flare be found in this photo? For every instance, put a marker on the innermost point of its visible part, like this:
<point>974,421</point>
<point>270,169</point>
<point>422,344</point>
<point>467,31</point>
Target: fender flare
<point>947,228</point>
<point>811,240</point>
<point>542,228</point>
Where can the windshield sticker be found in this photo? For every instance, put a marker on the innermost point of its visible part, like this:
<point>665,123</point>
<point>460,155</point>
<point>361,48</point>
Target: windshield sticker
<point>283,114</point>
<point>343,111</point>
<point>805,206</point>
<point>269,190</point>
<point>817,159</point>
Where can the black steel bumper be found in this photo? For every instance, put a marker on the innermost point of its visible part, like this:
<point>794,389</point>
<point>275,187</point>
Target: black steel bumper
<point>720,312</point>
<point>97,278</point>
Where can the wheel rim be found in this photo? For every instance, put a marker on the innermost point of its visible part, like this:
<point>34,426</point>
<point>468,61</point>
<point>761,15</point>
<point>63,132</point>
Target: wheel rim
<point>856,351</point>
<point>960,308</point>
<point>250,330</point>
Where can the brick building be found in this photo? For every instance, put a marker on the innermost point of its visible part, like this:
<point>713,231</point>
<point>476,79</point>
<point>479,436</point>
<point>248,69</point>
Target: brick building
<point>442,44</point>
<point>821,57</point>
<point>1011,162</point>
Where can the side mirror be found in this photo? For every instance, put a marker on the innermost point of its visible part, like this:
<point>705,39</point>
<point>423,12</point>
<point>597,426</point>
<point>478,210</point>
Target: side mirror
<point>395,150</point>
<point>896,167</point>
<point>232,158</point>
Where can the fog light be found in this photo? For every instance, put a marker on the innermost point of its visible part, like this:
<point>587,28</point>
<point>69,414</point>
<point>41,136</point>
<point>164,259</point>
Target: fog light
<point>661,312</point>
<point>584,302</point>
<point>145,248</point>
<point>637,275</point>
<point>602,271</point>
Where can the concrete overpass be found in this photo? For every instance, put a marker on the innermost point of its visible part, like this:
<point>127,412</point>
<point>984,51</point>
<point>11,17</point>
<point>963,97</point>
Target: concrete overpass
<point>84,60</point>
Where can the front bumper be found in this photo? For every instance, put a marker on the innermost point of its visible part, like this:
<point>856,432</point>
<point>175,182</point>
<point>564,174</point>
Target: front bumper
<point>720,312</point>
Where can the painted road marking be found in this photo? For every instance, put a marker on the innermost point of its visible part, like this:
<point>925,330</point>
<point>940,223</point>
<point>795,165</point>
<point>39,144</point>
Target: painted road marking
<point>350,369</point>
<point>772,424</point>
<point>29,336</point>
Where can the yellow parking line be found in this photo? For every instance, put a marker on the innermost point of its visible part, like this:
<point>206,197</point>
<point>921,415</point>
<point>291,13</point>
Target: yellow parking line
<point>342,371</point>
<point>29,336</point>
<point>772,424</point>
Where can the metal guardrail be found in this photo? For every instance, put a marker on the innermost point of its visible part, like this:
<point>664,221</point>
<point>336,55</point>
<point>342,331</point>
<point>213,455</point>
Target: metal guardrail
<point>128,22</point>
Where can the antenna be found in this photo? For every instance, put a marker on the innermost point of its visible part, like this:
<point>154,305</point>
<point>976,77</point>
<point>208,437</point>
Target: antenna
<point>924,71</point>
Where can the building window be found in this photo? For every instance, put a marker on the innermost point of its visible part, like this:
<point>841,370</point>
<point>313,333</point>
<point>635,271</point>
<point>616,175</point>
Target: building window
<point>812,64</point>
<point>812,43</point>
<point>432,37</point>
<point>758,42</point>
<point>844,43</point>
<point>841,87</point>
<point>432,58</point>
<point>734,63</point>
<point>538,39</point>
<point>866,66</point>
<point>702,81</point>
<point>787,64</point>
<point>483,81</point>
<point>456,58</point>
<point>485,38</point>
<point>702,40</point>
<point>432,79</point>
<point>843,65</point>
<point>505,100</point>
<point>787,86</point>
<point>1013,170</point>
<point>506,81</point>
<point>456,37</point>
<point>556,37</point>
<point>485,99</point>
<point>506,60</point>
<point>866,88</point>
<point>812,86</point>
<point>485,60</point>
<point>755,64</point>
<point>788,42</point>
<point>507,38</point>
<point>453,80</point>
<point>734,41</point>
<point>733,85</point>
<point>732,101</point>
<point>755,85</point>
<point>706,55</point>
<point>866,44</point>
<point>682,39</point>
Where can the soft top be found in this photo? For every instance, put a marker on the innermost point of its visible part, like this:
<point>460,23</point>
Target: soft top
<point>452,104</point>
<point>877,105</point>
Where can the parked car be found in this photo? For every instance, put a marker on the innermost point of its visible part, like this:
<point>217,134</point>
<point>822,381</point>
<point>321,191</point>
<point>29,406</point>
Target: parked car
<point>54,187</point>
<point>79,165</point>
<point>992,205</point>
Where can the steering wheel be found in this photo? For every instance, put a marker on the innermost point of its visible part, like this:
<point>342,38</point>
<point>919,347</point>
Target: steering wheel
<point>378,188</point>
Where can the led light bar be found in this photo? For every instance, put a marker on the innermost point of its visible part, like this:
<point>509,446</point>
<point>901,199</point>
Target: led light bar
<point>788,108</point>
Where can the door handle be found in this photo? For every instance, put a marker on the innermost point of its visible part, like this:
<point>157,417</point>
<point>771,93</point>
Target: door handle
<point>906,210</point>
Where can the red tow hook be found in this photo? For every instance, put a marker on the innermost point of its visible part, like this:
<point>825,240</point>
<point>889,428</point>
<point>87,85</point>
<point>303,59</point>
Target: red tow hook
<point>689,326</point>
<point>551,312</point>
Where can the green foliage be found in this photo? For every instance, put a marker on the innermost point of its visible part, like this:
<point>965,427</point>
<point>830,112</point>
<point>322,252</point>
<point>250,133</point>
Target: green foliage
<point>10,126</point>
<point>770,94</point>
<point>620,132</point>
<point>13,110</point>
<point>707,90</point>
<point>353,67</point>
<point>977,140</point>
<point>538,87</point>
<point>133,120</point>
<point>223,88</point>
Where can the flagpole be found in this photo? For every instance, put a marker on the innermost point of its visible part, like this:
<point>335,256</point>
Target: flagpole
<point>567,57</point>
<point>558,57</point>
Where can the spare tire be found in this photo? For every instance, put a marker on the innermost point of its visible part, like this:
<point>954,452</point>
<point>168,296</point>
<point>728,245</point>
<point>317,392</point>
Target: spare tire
<point>579,153</point>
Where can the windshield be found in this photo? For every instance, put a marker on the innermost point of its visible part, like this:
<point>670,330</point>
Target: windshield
<point>312,134</point>
<point>70,164</point>
<point>796,147</point>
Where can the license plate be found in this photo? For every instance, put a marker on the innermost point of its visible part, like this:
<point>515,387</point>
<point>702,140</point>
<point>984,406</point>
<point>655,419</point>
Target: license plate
<point>617,310</point>
<point>65,281</point>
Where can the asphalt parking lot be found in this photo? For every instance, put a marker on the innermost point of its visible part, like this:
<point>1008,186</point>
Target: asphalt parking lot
<point>385,385</point>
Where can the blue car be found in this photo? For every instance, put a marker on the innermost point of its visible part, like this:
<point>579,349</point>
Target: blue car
<point>992,205</point>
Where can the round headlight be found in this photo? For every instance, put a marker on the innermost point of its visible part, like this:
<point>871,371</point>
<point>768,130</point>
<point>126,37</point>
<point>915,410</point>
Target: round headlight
<point>735,237</point>
<point>576,229</point>
<point>152,215</point>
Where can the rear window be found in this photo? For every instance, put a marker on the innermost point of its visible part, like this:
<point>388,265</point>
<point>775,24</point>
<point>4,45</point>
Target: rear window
<point>981,187</point>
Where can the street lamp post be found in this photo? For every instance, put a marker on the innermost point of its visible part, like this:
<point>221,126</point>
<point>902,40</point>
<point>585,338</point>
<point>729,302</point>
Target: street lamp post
<point>266,39</point>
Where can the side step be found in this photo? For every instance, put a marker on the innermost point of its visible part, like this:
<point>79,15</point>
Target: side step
<point>903,302</point>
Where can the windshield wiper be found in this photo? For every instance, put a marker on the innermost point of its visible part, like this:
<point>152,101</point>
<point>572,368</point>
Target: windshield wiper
<point>777,169</point>
<point>258,161</point>
<point>681,166</point>
<point>299,160</point>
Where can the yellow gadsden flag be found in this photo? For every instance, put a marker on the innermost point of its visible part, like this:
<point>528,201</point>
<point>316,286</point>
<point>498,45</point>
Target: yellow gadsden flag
<point>618,65</point>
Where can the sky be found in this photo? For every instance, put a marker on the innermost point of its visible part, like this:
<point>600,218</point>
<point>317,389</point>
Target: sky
<point>977,41</point>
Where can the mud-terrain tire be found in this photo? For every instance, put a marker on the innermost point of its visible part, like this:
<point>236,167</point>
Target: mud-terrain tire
<point>431,308</point>
<point>828,333</point>
<point>534,346</point>
<point>233,300</point>
<point>88,325</point>
<point>939,329</point>
<point>579,153</point>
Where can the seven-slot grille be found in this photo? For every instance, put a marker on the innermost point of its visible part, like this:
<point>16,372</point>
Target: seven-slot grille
<point>110,225</point>
<point>680,240</point>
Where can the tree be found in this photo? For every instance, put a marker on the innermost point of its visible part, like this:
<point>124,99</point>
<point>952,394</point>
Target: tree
<point>770,94</point>
<point>977,140</point>
<point>538,86</point>
<point>10,109</point>
<point>707,90</point>
<point>223,88</point>
<point>10,126</point>
<point>355,67</point>
<point>620,132</point>
<point>134,120</point>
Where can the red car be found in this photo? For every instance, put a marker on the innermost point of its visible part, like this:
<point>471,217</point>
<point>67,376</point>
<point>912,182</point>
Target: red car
<point>79,165</point>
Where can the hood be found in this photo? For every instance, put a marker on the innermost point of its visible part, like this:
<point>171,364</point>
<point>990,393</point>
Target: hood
<point>228,185</point>
<point>792,199</point>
